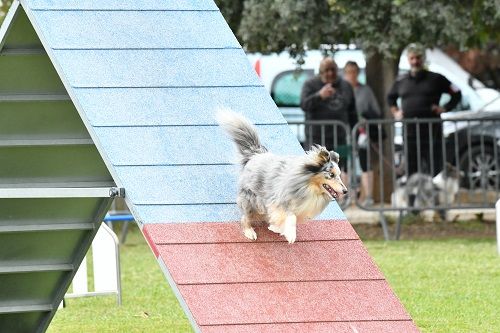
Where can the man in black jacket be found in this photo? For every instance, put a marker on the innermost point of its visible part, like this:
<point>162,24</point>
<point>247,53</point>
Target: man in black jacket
<point>328,97</point>
<point>420,91</point>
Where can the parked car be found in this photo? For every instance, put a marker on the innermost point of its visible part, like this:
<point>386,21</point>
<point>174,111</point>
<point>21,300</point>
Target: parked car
<point>477,143</point>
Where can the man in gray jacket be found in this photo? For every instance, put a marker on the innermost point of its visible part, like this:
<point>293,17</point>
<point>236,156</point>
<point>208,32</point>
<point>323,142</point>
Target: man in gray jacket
<point>328,97</point>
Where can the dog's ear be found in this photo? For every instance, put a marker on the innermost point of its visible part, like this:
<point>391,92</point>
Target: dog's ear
<point>320,156</point>
<point>453,171</point>
<point>323,155</point>
<point>334,157</point>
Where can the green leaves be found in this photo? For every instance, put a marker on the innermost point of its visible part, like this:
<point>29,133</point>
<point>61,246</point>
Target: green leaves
<point>4,7</point>
<point>378,26</point>
<point>275,25</point>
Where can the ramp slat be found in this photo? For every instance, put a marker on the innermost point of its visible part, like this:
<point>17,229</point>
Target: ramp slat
<point>119,68</point>
<point>256,303</point>
<point>26,308</point>
<point>183,141</point>
<point>268,262</point>
<point>122,5</point>
<point>112,29</point>
<point>173,106</point>
<point>196,233</point>
<point>6,269</point>
<point>337,327</point>
<point>210,212</point>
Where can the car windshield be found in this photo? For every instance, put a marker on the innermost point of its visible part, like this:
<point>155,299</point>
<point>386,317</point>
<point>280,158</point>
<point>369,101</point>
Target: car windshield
<point>287,86</point>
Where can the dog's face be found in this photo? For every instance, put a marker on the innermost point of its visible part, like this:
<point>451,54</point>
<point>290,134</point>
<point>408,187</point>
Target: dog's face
<point>449,179</point>
<point>326,178</point>
<point>453,172</point>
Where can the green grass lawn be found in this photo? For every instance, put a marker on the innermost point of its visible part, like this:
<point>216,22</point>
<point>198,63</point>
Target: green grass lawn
<point>450,285</point>
<point>148,304</point>
<point>446,285</point>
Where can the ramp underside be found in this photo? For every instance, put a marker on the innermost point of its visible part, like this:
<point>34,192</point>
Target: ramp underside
<point>325,282</point>
<point>54,186</point>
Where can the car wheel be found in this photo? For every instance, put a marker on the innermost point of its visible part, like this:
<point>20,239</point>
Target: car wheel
<point>481,171</point>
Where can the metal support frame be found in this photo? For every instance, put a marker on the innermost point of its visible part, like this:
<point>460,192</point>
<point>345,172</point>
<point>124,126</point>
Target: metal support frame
<point>125,218</point>
<point>118,292</point>
<point>80,254</point>
<point>60,192</point>
<point>497,206</point>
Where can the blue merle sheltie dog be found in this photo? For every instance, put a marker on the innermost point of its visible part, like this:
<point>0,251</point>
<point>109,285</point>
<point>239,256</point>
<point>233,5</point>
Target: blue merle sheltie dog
<point>282,190</point>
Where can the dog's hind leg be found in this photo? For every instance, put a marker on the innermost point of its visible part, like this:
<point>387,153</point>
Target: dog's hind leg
<point>246,226</point>
<point>247,202</point>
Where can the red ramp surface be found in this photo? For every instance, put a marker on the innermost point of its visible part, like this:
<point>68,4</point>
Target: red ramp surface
<point>325,282</point>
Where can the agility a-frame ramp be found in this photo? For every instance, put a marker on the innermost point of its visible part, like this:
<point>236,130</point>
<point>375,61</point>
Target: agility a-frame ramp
<point>106,95</point>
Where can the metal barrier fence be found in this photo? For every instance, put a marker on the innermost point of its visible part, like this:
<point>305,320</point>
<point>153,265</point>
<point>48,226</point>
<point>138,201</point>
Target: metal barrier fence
<point>416,164</point>
<point>334,135</point>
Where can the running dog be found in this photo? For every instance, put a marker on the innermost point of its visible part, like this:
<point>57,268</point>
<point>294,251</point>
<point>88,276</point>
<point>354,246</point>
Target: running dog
<point>281,190</point>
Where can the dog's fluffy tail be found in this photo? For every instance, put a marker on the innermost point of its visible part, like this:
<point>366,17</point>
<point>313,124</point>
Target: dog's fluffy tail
<point>242,132</point>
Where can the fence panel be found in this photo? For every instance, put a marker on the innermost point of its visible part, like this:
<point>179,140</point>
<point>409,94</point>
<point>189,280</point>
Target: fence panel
<point>334,135</point>
<point>417,164</point>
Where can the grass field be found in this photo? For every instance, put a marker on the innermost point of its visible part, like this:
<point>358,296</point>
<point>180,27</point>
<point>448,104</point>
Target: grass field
<point>447,285</point>
<point>148,303</point>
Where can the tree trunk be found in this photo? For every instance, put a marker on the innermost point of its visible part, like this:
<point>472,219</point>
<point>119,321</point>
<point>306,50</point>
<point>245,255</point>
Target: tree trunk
<point>380,75</point>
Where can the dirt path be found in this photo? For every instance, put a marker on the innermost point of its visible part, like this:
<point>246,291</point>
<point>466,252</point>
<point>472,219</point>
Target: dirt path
<point>431,230</point>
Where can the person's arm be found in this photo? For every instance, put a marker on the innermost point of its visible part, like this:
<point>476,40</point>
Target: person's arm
<point>392,100</point>
<point>309,97</point>
<point>446,87</point>
<point>455,94</point>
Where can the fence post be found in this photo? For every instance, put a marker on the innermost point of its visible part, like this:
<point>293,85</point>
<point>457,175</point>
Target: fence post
<point>497,206</point>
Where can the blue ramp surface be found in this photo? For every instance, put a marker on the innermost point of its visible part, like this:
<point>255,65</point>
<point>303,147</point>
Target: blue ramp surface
<point>147,78</point>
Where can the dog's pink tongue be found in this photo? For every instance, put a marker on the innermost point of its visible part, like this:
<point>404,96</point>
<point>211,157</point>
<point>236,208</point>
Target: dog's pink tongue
<point>330,190</point>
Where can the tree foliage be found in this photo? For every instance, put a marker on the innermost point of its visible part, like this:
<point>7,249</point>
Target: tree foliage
<point>485,16</point>
<point>382,28</point>
<point>232,11</point>
<point>378,26</point>
<point>386,26</point>
<point>4,7</point>
<point>277,25</point>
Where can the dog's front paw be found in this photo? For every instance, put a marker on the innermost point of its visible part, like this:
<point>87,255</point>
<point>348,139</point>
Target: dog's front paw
<point>250,233</point>
<point>290,234</point>
<point>275,228</point>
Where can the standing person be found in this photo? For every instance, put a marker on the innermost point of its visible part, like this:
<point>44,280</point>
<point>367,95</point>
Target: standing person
<point>328,97</point>
<point>420,91</point>
<point>367,108</point>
